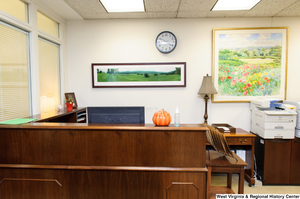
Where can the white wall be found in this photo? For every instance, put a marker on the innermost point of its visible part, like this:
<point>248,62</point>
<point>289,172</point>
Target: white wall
<point>133,41</point>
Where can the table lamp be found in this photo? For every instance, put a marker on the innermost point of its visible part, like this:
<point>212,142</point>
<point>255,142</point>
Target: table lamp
<point>207,87</point>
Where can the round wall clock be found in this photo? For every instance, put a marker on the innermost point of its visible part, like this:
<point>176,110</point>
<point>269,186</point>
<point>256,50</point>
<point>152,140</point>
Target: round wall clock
<point>166,42</point>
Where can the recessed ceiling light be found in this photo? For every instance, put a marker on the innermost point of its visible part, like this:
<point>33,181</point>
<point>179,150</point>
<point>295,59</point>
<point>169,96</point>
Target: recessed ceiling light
<point>234,5</point>
<point>123,5</point>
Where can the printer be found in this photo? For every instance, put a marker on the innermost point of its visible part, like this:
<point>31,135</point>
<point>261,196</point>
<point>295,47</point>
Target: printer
<point>271,120</point>
<point>297,109</point>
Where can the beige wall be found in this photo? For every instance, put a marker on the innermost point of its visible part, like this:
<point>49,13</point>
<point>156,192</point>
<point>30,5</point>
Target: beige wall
<point>130,41</point>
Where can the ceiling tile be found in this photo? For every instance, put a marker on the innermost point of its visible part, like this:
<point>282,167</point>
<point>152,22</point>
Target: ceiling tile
<point>87,8</point>
<point>162,15</point>
<point>161,5</point>
<point>267,8</point>
<point>137,15</point>
<point>194,5</point>
<point>291,11</point>
<point>191,14</point>
<point>93,9</point>
<point>226,13</point>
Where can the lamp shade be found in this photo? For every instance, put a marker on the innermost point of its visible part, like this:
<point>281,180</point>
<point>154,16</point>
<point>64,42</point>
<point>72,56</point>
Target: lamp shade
<point>207,86</point>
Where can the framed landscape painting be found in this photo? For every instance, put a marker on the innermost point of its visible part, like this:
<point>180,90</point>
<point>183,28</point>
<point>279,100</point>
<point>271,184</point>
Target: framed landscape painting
<point>139,75</point>
<point>249,63</point>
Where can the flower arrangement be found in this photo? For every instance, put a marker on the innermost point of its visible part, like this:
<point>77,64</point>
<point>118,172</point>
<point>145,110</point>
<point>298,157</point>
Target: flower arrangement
<point>69,104</point>
<point>69,100</point>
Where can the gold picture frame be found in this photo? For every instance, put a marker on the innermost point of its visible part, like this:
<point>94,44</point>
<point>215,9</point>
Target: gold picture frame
<point>249,63</point>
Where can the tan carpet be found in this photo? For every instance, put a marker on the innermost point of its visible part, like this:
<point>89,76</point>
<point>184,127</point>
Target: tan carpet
<point>220,180</point>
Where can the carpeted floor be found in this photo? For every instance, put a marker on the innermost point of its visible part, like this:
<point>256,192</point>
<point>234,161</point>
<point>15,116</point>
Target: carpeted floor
<point>258,188</point>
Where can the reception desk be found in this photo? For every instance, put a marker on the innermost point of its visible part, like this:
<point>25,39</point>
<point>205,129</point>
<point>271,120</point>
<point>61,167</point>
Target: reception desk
<point>93,161</point>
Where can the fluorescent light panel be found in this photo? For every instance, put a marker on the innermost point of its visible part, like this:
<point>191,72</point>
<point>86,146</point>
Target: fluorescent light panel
<point>222,5</point>
<point>123,5</point>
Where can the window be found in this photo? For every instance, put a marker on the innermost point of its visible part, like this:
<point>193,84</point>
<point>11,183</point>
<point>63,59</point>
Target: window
<point>29,87</point>
<point>15,8</point>
<point>47,25</point>
<point>15,91</point>
<point>49,75</point>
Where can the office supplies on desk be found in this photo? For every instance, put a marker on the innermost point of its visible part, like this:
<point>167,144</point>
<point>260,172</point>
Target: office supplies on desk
<point>18,121</point>
<point>224,128</point>
<point>270,120</point>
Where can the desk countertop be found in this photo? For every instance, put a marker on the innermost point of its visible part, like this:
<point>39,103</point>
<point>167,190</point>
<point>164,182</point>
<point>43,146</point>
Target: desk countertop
<point>53,125</point>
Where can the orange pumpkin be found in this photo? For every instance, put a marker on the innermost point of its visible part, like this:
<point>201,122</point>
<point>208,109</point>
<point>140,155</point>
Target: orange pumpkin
<point>161,118</point>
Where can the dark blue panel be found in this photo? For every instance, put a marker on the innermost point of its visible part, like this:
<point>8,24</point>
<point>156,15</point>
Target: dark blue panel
<point>116,115</point>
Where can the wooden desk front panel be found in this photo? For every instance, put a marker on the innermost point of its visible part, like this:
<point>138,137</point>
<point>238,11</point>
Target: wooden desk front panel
<point>105,147</point>
<point>278,160</point>
<point>295,162</point>
<point>100,184</point>
<point>63,161</point>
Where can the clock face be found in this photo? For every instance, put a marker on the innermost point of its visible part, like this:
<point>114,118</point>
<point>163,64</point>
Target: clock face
<point>166,42</point>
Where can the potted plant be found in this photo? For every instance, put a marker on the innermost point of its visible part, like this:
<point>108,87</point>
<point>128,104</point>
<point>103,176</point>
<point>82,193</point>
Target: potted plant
<point>69,104</point>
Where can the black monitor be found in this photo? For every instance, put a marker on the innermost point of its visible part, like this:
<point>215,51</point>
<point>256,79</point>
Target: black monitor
<point>116,115</point>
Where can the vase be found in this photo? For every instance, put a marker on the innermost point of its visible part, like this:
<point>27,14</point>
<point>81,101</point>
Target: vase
<point>69,106</point>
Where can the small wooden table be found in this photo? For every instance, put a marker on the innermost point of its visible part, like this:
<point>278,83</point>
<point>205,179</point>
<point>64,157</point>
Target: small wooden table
<point>218,163</point>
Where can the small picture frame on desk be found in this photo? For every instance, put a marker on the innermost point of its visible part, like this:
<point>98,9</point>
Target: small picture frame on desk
<point>72,96</point>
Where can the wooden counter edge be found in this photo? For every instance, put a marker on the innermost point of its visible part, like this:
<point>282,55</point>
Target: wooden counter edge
<point>240,133</point>
<point>129,127</point>
<point>116,168</point>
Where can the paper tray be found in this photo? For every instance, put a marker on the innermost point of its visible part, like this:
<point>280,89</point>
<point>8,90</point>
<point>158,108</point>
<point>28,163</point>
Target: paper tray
<point>222,130</point>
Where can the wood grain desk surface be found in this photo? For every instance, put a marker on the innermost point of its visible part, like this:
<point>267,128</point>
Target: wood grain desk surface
<point>55,114</point>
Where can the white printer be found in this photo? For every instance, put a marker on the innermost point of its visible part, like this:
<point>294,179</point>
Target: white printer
<point>297,105</point>
<point>270,120</point>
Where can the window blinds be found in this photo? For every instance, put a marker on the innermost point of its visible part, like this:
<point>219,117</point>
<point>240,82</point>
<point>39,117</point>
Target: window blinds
<point>49,75</point>
<point>15,91</point>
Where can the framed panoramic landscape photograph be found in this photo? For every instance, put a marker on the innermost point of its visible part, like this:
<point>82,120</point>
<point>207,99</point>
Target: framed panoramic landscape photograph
<point>249,63</point>
<point>139,75</point>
